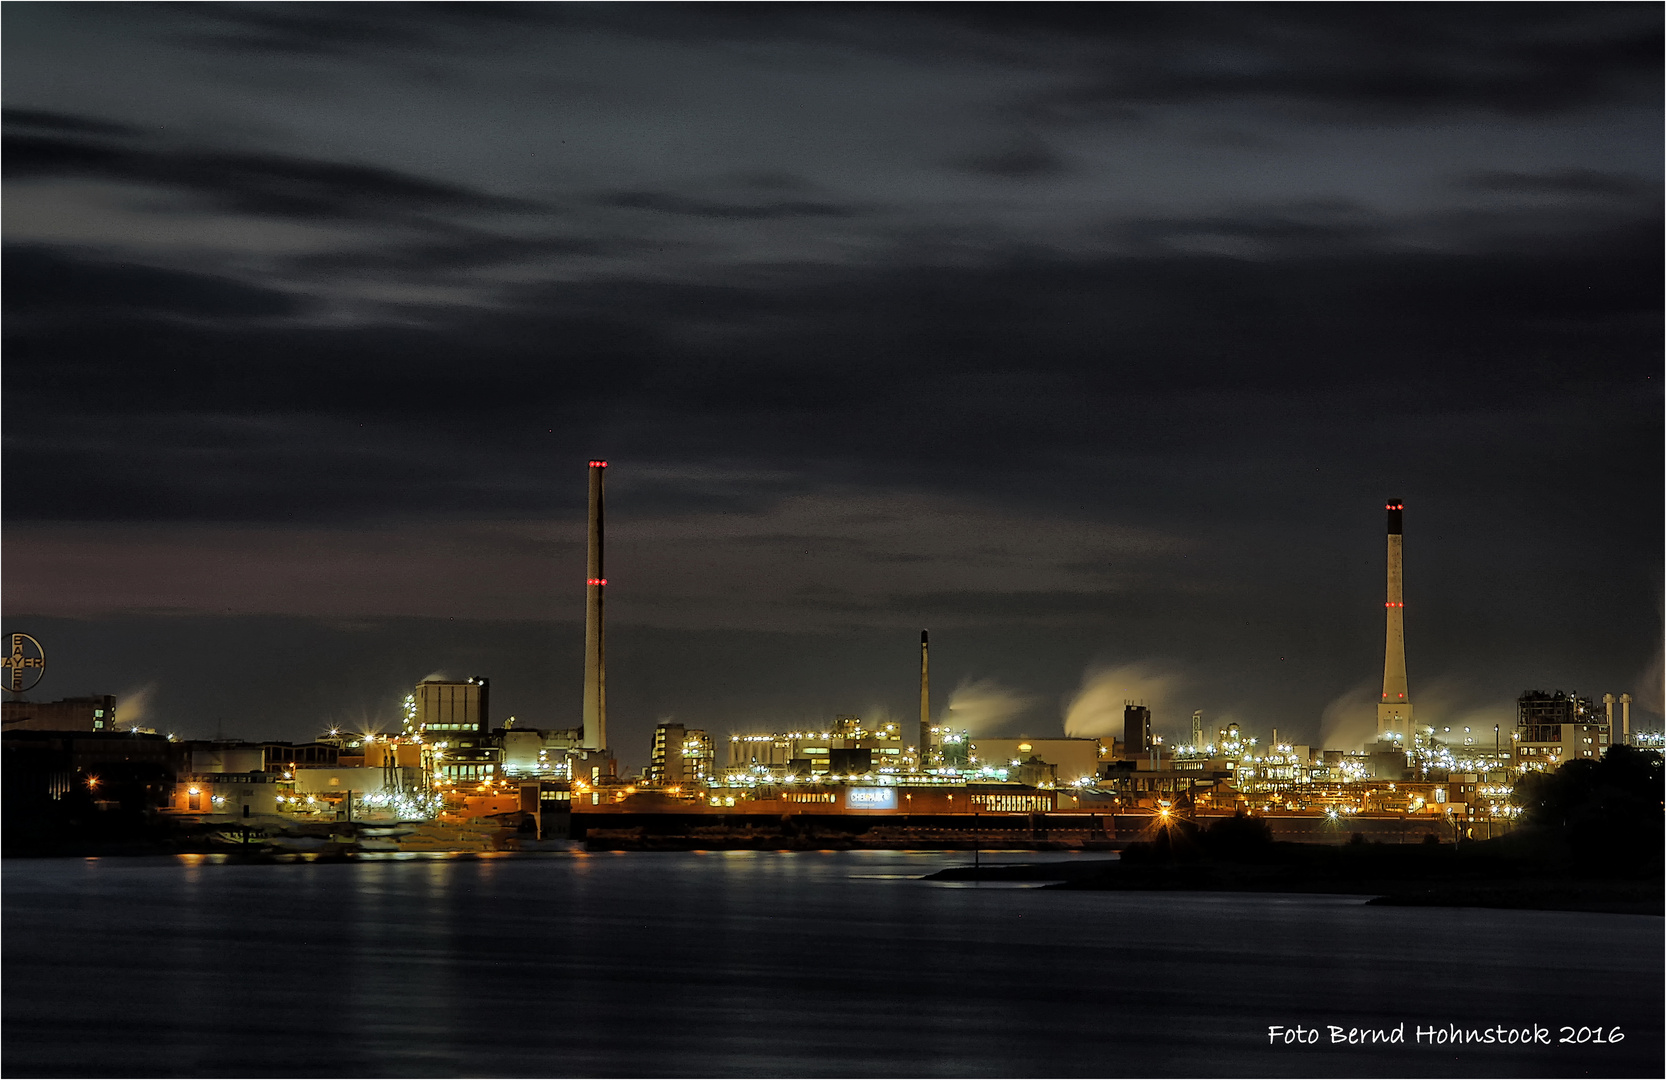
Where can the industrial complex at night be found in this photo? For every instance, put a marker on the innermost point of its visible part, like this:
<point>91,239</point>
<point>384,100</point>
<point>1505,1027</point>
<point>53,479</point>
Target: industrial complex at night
<point>833,540</point>
<point>451,778</point>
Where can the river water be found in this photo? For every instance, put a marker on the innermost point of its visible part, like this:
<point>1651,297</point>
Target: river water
<point>775,964</point>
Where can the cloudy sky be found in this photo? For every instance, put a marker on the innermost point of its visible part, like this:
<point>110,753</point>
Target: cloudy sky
<point>1092,338</point>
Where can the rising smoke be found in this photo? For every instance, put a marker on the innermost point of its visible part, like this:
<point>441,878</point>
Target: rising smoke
<point>1350,720</point>
<point>1096,710</point>
<point>133,707</point>
<point>1651,688</point>
<point>985,707</point>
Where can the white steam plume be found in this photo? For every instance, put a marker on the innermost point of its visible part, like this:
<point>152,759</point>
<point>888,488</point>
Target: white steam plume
<point>1651,689</point>
<point>876,716</point>
<point>1350,720</point>
<point>985,707</point>
<point>133,706</point>
<point>1096,710</point>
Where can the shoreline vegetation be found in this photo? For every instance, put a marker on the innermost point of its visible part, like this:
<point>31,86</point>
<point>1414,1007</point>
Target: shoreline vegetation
<point>1591,840</point>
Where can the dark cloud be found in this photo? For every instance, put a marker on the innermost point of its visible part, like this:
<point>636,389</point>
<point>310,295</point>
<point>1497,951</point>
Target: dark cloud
<point>44,284</point>
<point>950,370</point>
<point>63,122</point>
<point>1314,230</point>
<point>281,467</point>
<point>1023,159</point>
<point>1375,58</point>
<point>1574,182</point>
<point>667,203</point>
<point>325,29</point>
<point>271,184</point>
<point>1016,607</point>
<point>463,249</point>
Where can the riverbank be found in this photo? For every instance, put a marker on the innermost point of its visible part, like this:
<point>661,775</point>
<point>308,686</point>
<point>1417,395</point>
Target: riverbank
<point>1493,874</point>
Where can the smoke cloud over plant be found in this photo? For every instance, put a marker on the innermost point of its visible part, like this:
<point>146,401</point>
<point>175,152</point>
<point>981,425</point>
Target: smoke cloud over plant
<point>1097,708</point>
<point>1351,717</point>
<point>985,707</point>
<point>133,707</point>
<point>1445,704</point>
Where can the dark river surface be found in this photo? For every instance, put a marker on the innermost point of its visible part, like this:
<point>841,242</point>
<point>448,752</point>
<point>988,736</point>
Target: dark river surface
<point>776,964</point>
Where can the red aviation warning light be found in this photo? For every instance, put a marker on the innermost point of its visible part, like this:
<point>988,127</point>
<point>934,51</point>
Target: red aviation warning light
<point>595,581</point>
<point>598,464</point>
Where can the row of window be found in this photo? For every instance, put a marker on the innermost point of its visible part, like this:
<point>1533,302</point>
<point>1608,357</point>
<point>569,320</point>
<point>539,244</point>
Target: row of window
<point>1014,803</point>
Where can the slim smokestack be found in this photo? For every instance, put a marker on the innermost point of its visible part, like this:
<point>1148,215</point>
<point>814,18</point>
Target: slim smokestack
<point>925,702</point>
<point>595,634</point>
<point>1625,720</point>
<point>1394,711</point>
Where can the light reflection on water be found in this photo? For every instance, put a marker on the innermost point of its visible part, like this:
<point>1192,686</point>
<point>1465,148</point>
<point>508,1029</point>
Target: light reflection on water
<point>732,963</point>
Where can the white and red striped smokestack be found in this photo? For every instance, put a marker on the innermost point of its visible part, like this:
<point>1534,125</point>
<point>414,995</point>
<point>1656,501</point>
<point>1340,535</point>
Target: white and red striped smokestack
<point>925,703</point>
<point>595,635</point>
<point>1394,711</point>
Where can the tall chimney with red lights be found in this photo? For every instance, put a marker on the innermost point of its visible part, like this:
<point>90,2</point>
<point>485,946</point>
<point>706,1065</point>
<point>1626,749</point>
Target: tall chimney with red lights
<point>925,703</point>
<point>1394,711</point>
<point>595,635</point>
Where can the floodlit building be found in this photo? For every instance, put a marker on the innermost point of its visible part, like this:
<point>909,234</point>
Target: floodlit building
<point>1073,760</point>
<point>846,747</point>
<point>361,780</point>
<point>239,794</point>
<point>223,756</point>
<point>545,753</point>
<point>97,713</point>
<point>681,756</point>
<point>452,709</point>
<point>454,718</point>
<point>1553,729</point>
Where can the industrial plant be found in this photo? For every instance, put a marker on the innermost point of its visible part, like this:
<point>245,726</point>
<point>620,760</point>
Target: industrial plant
<point>451,778</point>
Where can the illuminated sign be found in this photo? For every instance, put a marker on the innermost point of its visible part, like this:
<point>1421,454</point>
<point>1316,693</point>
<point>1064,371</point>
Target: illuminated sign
<point>871,798</point>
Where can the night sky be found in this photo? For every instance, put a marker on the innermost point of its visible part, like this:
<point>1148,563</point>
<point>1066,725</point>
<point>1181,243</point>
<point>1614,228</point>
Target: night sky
<point>1093,339</point>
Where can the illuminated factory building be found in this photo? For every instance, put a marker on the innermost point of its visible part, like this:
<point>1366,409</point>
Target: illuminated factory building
<point>1552,729</point>
<point>71,714</point>
<point>681,756</point>
<point>453,718</point>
